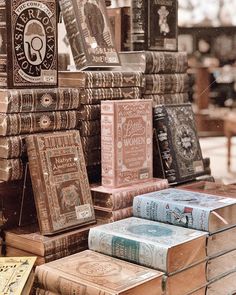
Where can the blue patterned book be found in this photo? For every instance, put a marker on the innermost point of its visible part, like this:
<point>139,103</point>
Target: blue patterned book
<point>156,245</point>
<point>188,209</point>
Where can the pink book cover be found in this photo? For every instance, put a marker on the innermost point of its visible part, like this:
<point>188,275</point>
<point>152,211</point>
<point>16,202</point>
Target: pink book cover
<point>126,140</point>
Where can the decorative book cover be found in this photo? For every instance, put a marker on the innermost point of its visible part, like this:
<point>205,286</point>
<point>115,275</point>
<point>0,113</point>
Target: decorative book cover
<point>188,209</point>
<point>93,273</point>
<point>166,83</point>
<point>11,169</point>
<point>154,62</point>
<point>22,123</point>
<point>59,179</point>
<point>156,245</point>
<point>176,144</point>
<point>126,141</point>
<point>89,33</point>
<point>101,79</point>
<point>29,31</point>
<point>15,274</point>
<point>96,95</point>
<point>171,98</point>
<point>118,198</point>
<point>38,100</point>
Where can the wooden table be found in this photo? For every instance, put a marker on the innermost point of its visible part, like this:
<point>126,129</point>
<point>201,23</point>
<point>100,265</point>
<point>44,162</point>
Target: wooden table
<point>230,131</point>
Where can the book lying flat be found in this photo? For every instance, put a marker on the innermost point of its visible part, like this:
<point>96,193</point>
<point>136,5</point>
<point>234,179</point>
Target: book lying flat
<point>93,273</point>
<point>188,209</point>
<point>222,286</point>
<point>156,245</point>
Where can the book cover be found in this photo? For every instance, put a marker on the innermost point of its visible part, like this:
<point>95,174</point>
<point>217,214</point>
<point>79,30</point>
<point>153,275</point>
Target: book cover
<point>156,245</point>
<point>101,79</point>
<point>155,62</point>
<point>93,273</point>
<point>176,144</point>
<point>88,30</point>
<point>188,209</point>
<point>29,34</point>
<point>126,141</point>
<point>118,198</point>
<point>14,274</point>
<point>60,182</point>
<point>38,100</point>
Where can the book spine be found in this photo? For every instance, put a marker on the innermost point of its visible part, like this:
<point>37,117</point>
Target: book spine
<point>174,98</point>
<point>53,280</point>
<point>11,169</point>
<point>40,100</point>
<point>137,251</point>
<point>16,124</point>
<point>160,84</point>
<point>115,215</point>
<point>38,187</point>
<point>89,112</point>
<point>3,48</point>
<point>95,96</point>
<point>89,128</point>
<point>138,25</point>
<point>91,143</point>
<point>12,147</point>
<point>107,144</point>
<point>166,62</point>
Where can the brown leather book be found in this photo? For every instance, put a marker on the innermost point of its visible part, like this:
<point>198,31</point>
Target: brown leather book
<point>89,112</point>
<point>60,182</point>
<point>12,146</point>
<point>96,274</point>
<point>90,143</point>
<point>89,128</point>
<point>11,169</point>
<point>28,51</point>
<point>105,216</point>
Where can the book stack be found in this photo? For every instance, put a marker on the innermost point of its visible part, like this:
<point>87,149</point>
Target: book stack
<point>212,213</point>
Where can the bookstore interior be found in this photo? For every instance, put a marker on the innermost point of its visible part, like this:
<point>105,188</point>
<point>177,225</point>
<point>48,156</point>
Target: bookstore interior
<point>117,147</point>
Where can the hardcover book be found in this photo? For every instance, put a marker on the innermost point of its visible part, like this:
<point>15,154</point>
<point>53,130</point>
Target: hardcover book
<point>118,198</point>
<point>154,62</point>
<point>126,141</point>
<point>38,100</point>
<point>166,83</point>
<point>91,143</point>
<point>12,147</point>
<point>171,98</point>
<point>154,25</point>
<point>89,33</point>
<point>89,112</point>
<point>156,245</point>
<point>16,275</point>
<point>96,95</point>
<point>60,183</point>
<point>176,146</point>
<point>188,209</point>
<point>11,169</point>
<point>93,273</point>
<point>101,79</point>
<point>223,285</point>
<point>28,51</point>
<point>17,124</point>
<point>29,239</point>
<point>106,216</point>
<point>89,128</point>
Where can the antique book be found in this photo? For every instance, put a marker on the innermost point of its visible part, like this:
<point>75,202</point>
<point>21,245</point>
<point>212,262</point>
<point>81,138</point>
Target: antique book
<point>16,275</point>
<point>154,25</point>
<point>221,265</point>
<point>222,286</point>
<point>12,147</point>
<point>89,128</point>
<point>89,112</point>
<point>38,100</point>
<point>93,273</point>
<point>156,245</point>
<point>188,209</point>
<point>106,216</point>
<point>221,242</point>
<point>177,152</point>
<point>91,143</point>
<point>28,51</point>
<point>11,169</point>
<point>126,141</point>
<point>59,179</point>
<point>186,281</point>
<point>101,79</point>
<point>171,98</point>
<point>154,62</point>
<point>96,95</point>
<point>89,33</point>
<point>212,188</point>
<point>17,124</point>
<point>118,198</point>
<point>166,83</point>
<point>29,239</point>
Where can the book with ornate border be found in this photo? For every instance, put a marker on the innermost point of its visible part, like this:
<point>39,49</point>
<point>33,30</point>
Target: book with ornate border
<point>60,182</point>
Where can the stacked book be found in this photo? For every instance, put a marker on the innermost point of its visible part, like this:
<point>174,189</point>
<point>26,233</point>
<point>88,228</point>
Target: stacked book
<point>93,88</point>
<point>213,213</point>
